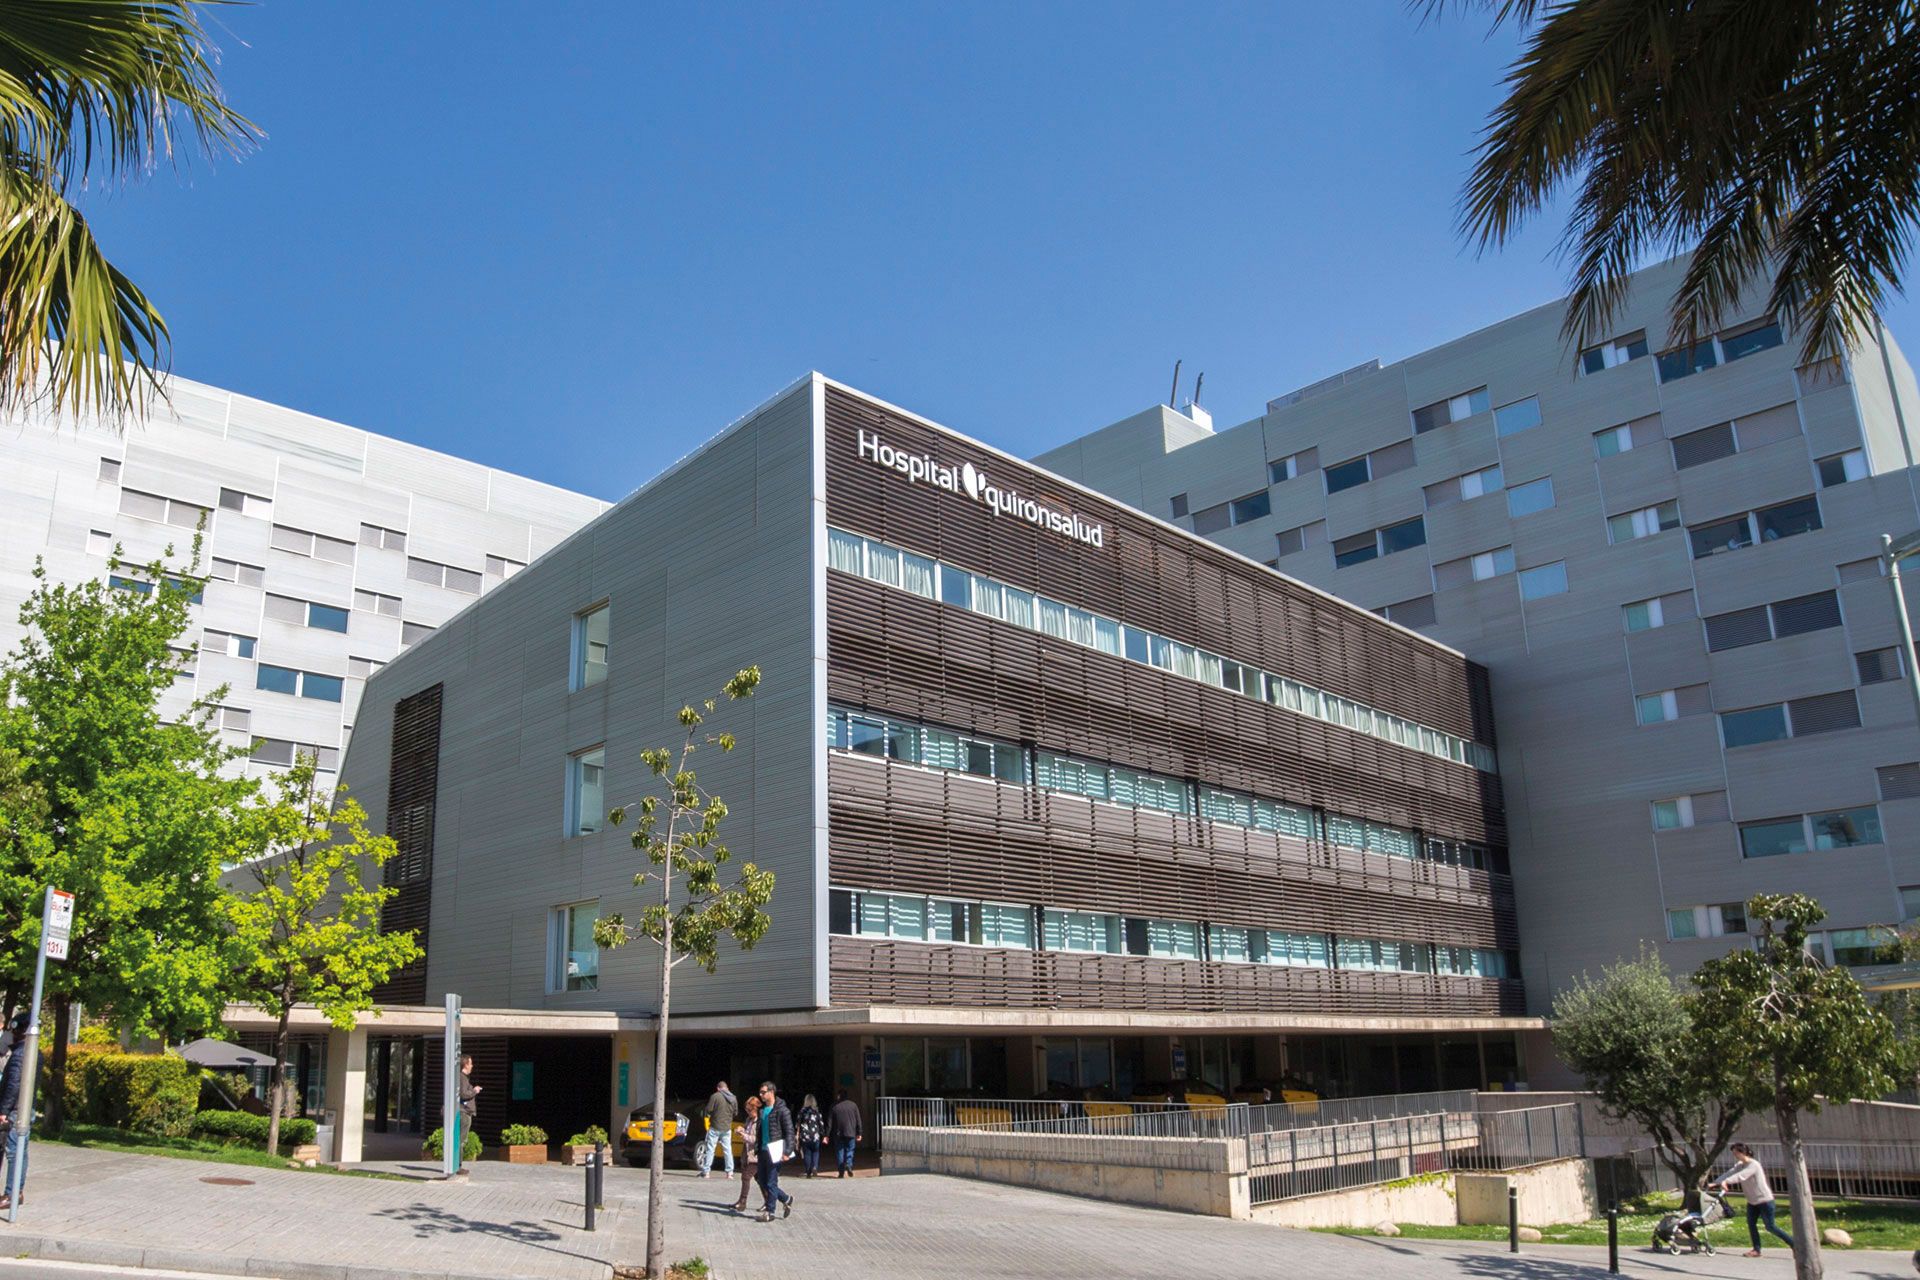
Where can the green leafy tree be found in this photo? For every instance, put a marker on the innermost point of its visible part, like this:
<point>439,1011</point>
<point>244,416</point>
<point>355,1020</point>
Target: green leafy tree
<point>1901,1004</point>
<point>1776,140</point>
<point>91,91</point>
<point>1632,1034</point>
<point>132,813</point>
<point>1793,1032</point>
<point>679,832</point>
<point>307,927</point>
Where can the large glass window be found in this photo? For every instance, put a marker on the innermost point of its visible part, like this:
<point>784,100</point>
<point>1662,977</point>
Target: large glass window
<point>1845,828</point>
<point>1534,495</point>
<point>1761,337</point>
<point>1403,536</point>
<point>1754,725</point>
<point>1082,931</point>
<point>1772,837</point>
<point>576,958</point>
<point>1721,535</point>
<point>1684,362</point>
<point>586,791</point>
<point>1543,580</point>
<point>590,646</point>
<point>1788,519</point>
<point>1521,415</point>
<point>327,617</point>
<point>1347,475</point>
<point>276,679</point>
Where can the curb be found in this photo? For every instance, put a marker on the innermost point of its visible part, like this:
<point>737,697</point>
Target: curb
<point>107,1254</point>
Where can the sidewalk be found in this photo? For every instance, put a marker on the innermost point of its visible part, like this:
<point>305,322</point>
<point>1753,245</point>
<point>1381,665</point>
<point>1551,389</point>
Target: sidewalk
<point>525,1221</point>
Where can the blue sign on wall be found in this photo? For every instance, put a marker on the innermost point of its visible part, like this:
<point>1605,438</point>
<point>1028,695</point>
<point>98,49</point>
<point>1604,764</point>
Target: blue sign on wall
<point>623,1083</point>
<point>1179,1062</point>
<point>523,1082</point>
<point>871,1058</point>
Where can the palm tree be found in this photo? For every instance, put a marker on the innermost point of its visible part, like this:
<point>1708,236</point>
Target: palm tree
<point>90,90</point>
<point>1772,137</point>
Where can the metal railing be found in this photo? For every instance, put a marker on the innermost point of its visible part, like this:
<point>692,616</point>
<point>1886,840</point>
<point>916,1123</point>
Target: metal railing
<point>1288,1163</point>
<point>980,1113</point>
<point>1332,1111</point>
<point>1161,1140</point>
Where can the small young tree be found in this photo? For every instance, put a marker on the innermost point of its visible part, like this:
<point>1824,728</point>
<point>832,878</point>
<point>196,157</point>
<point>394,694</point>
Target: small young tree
<point>308,929</point>
<point>679,833</point>
<point>1794,1033</point>
<point>133,815</point>
<point>1631,1033</point>
<point>1901,1005</point>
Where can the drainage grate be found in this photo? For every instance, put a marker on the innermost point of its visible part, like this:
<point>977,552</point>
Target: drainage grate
<point>228,1182</point>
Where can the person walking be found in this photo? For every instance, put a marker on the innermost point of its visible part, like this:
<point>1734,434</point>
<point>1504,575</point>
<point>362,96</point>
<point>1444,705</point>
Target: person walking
<point>13,1123</point>
<point>469,1109</point>
<point>813,1127</point>
<point>776,1143</point>
<point>843,1129</point>
<point>720,1111</point>
<point>748,1131</point>
<point>1751,1179</point>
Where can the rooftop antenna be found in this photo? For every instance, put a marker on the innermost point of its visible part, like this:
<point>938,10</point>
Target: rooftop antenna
<point>1173,397</point>
<point>1199,382</point>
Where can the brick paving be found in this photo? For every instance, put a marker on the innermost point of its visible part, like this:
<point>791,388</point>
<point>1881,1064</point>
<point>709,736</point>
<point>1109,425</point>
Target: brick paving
<point>521,1221</point>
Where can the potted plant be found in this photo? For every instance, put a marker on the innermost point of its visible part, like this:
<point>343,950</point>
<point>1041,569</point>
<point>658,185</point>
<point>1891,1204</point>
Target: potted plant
<point>580,1145</point>
<point>436,1145</point>
<point>524,1144</point>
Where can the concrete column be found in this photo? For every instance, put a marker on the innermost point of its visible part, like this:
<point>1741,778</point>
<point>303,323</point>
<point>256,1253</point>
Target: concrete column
<point>347,1091</point>
<point>1023,1073</point>
<point>1160,1058</point>
<point>1269,1058</point>
<point>632,1082</point>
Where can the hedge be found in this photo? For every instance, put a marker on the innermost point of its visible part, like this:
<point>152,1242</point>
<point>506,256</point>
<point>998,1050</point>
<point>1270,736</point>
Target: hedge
<point>436,1145</point>
<point>242,1128</point>
<point>523,1135</point>
<point>152,1093</point>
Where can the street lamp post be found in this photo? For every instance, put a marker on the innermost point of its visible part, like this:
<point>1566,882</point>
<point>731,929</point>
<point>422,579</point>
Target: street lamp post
<point>1893,551</point>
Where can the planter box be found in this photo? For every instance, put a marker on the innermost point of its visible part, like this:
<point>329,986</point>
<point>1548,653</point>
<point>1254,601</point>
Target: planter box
<point>305,1153</point>
<point>577,1155</point>
<point>529,1153</point>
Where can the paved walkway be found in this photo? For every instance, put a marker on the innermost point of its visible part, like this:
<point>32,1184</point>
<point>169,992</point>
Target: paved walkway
<point>521,1221</point>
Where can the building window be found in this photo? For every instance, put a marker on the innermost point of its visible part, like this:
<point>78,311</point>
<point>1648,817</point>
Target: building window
<point>1696,448</point>
<point>1877,666</point>
<point>1773,837</point>
<point>1655,708</point>
<point>868,733</point>
<point>317,546</point>
<point>1403,536</point>
<point>1280,470</point>
<point>372,535</point>
<point>303,613</point>
<point>1254,506</point>
<point>1753,725</point>
<point>412,633</point>
<point>247,504</point>
<point>1081,931</point>
<point>1642,615</point>
<point>1177,505</point>
<point>1417,612</point>
<point>1615,351</point>
<point>590,631</point>
<point>110,470</point>
<point>1491,564</point>
<point>376,602</point>
<point>1862,946</point>
<point>1761,623</point>
<point>1712,921</point>
<point>1910,901</point>
<point>1644,523</point>
<point>1521,415</point>
<point>228,643</point>
<point>1671,815</point>
<point>575,964</point>
<point>1788,519</point>
<point>1821,375</point>
<point>503,568</point>
<point>1543,580</point>
<point>1613,440</point>
<point>1766,525</point>
<point>1684,362</point>
<point>1845,828</point>
<point>363,668</point>
<point>1358,549</point>
<point>1842,468</point>
<point>278,753</point>
<point>1760,335</point>
<point>1347,475</point>
<point>246,575</point>
<point>1291,541</point>
<point>162,510</point>
<point>1452,409</point>
<point>586,791</point>
<point>305,684</point>
<point>443,575</point>
<point>1534,495</point>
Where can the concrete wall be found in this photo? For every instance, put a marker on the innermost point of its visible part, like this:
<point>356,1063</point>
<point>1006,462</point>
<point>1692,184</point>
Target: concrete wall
<point>1190,1175</point>
<point>1427,1200</point>
<point>710,568</point>
<point>1559,1191</point>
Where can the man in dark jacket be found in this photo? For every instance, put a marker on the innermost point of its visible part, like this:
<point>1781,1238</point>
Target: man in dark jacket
<point>843,1130</point>
<point>775,1142</point>
<point>720,1111</point>
<point>12,1122</point>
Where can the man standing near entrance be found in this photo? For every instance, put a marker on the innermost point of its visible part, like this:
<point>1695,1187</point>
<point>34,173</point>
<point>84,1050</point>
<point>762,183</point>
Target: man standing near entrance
<point>14,1124</point>
<point>469,1109</point>
<point>774,1141</point>
<point>843,1130</point>
<point>720,1110</point>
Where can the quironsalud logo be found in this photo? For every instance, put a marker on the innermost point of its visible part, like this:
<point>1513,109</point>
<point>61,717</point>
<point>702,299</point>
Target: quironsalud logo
<point>969,481</point>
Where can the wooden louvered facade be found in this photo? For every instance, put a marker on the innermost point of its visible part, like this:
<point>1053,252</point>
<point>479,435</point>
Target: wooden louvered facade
<point>413,786</point>
<point>898,827</point>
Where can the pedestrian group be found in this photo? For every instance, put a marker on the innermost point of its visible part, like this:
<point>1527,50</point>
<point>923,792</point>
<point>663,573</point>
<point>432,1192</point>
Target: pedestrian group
<point>770,1134</point>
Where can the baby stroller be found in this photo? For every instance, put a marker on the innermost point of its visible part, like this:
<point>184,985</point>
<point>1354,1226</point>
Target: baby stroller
<point>1688,1228</point>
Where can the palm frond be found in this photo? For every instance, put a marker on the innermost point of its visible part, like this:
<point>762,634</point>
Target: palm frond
<point>74,330</point>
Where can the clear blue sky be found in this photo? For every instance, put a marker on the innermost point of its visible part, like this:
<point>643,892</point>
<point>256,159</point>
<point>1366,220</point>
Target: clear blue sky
<point>574,239</point>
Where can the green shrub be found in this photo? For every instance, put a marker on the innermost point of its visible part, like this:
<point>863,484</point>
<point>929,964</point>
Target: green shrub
<point>523,1135</point>
<point>588,1136</point>
<point>469,1149</point>
<point>239,1128</point>
<point>152,1093</point>
<point>99,1034</point>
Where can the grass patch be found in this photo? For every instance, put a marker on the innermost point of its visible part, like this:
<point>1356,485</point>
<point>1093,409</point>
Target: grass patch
<point>100,1138</point>
<point>1872,1226</point>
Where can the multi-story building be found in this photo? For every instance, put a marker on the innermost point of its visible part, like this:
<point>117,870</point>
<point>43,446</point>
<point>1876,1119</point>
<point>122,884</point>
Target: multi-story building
<point>1667,561</point>
<point>326,550</point>
<point>1056,794</point>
